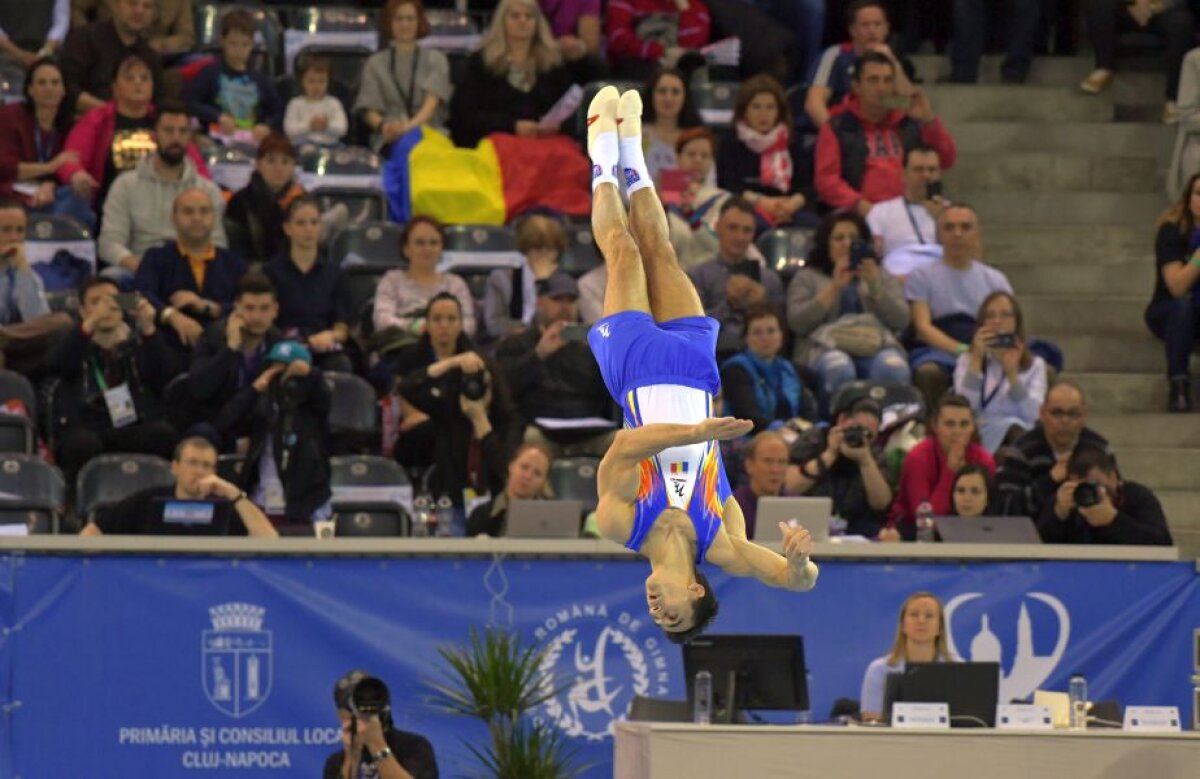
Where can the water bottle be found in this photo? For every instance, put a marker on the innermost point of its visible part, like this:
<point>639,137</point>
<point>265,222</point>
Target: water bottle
<point>1077,691</point>
<point>421,518</point>
<point>445,517</point>
<point>926,527</point>
<point>702,706</point>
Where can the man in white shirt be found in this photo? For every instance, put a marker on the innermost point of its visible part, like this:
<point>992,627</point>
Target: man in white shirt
<point>905,227</point>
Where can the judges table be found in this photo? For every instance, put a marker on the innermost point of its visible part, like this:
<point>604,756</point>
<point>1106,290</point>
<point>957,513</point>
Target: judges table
<point>665,751</point>
<point>165,655</point>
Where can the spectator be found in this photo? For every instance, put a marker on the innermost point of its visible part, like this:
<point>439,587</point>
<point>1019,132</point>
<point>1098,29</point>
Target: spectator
<point>733,282</point>
<point>94,55</point>
<point>920,638</point>
<point>692,221</point>
<point>316,116</point>
<point>388,108</point>
<point>1005,384</point>
<point>26,325</point>
<point>1169,19</point>
<point>32,30</point>
<point>314,300</point>
<point>928,472</point>
<point>403,293</point>
<point>172,30</point>
<point>860,152</point>
<point>766,161</point>
<point>945,297</point>
<point>232,352</point>
<point>372,744</point>
<point>972,492</point>
<point>824,464</point>
<point>511,296</point>
<point>765,460</point>
<point>846,319</point>
<point>111,377</point>
<point>32,139</point>
<point>576,28</point>
<point>832,79</point>
<point>668,111</point>
<point>528,471</point>
<point>591,294</point>
<point>1021,19</point>
<point>905,227</point>
<point>515,77</point>
<point>1186,157</point>
<point>1174,312</point>
<point>1031,470</point>
<point>190,281</point>
<point>758,384</point>
<point>227,97</point>
<point>457,413</point>
<point>551,372</point>
<point>139,208</point>
<point>1096,506</point>
<point>646,34</point>
<point>254,216</point>
<point>806,20</point>
<point>194,466</point>
<point>285,412</point>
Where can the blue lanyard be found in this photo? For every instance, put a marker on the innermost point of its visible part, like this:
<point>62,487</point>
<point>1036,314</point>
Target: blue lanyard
<point>43,153</point>
<point>984,400</point>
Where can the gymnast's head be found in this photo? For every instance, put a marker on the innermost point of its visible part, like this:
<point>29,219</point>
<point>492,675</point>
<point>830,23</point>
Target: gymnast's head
<point>682,608</point>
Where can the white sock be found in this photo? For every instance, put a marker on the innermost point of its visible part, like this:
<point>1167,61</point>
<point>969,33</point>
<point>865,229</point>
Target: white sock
<point>633,165</point>
<point>606,157</point>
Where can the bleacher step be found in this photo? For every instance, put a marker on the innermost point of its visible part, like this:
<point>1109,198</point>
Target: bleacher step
<point>1125,140</point>
<point>1009,244</point>
<point>1052,172</point>
<point>1123,393</point>
<point>1045,71</point>
<point>1101,316</point>
<point>1148,431</point>
<point>956,103</point>
<point>1068,208</point>
<point>1051,278</point>
<point>1161,468</point>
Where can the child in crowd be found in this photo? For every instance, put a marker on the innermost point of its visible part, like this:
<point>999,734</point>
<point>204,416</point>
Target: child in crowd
<point>316,116</point>
<point>228,97</point>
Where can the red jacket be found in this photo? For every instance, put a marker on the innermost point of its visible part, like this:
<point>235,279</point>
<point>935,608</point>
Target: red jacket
<point>884,177</point>
<point>926,477</point>
<point>92,138</point>
<point>622,16</point>
<point>17,143</point>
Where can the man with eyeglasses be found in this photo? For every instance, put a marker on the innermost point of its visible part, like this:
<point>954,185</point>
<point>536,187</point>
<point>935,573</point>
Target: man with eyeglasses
<point>199,503</point>
<point>1031,470</point>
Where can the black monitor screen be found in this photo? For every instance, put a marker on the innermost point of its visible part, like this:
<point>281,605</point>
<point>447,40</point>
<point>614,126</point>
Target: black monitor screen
<point>769,670</point>
<point>970,689</point>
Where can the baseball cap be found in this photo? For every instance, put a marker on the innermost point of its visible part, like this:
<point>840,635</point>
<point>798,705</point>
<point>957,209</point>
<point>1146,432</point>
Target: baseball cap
<point>287,352</point>
<point>556,284</point>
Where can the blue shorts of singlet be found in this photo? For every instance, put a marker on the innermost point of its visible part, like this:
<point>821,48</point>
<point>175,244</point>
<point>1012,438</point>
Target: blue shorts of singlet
<point>634,351</point>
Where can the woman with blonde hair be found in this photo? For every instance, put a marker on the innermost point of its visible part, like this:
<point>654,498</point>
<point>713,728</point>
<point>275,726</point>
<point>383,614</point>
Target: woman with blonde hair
<point>920,638</point>
<point>512,80</point>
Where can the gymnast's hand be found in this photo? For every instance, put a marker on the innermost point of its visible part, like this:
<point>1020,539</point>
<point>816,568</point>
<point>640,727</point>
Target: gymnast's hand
<point>797,542</point>
<point>722,429</point>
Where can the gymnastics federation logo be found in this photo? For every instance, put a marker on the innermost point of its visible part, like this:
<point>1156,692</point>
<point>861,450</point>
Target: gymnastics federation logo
<point>596,171</point>
<point>631,177</point>
<point>236,658</point>
<point>1025,670</point>
<point>601,665</point>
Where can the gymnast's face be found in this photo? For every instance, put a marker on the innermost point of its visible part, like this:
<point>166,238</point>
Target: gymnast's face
<point>672,603</point>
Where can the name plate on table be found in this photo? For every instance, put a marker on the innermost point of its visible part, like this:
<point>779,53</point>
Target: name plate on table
<point>920,715</point>
<point>1152,719</point>
<point>1010,716</point>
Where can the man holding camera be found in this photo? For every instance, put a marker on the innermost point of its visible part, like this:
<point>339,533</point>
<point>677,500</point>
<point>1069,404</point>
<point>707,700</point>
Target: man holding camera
<point>371,746</point>
<point>844,464</point>
<point>1096,506</point>
<point>905,227</point>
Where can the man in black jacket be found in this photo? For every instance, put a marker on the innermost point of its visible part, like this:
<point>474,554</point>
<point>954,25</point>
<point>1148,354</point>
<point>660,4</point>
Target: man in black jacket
<point>551,371</point>
<point>371,746</point>
<point>111,375</point>
<point>92,53</point>
<point>1095,506</point>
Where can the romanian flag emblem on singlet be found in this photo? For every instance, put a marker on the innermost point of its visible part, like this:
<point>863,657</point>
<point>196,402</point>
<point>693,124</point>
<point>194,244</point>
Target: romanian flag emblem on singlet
<point>679,468</point>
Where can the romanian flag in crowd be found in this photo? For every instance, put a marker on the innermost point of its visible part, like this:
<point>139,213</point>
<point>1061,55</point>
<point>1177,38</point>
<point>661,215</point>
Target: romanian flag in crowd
<point>497,180</point>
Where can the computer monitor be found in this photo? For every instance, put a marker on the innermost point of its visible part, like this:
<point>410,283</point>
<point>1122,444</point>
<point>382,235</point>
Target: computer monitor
<point>970,689</point>
<point>748,672</point>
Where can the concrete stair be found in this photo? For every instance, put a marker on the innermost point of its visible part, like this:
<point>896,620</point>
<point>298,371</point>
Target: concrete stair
<point>1069,190</point>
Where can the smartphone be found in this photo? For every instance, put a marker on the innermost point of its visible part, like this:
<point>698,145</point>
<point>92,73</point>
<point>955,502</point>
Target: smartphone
<point>859,251</point>
<point>575,333</point>
<point>933,189</point>
<point>1003,341</point>
<point>128,301</point>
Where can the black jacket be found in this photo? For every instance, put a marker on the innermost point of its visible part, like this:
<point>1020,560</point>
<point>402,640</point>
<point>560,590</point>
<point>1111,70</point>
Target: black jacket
<point>1023,482</point>
<point>294,414</point>
<point>1140,521</point>
<point>484,102</point>
<point>413,751</point>
<point>739,168</point>
<point>216,373</point>
<point>254,220</point>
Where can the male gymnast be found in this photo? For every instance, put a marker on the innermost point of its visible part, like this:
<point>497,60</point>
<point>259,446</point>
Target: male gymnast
<point>662,486</point>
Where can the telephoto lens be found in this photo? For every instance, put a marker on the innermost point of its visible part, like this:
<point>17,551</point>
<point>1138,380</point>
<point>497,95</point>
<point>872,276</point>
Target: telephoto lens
<point>1087,494</point>
<point>474,386</point>
<point>854,436</point>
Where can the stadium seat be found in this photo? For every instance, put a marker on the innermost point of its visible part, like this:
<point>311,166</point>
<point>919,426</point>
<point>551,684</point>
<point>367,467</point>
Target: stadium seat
<point>361,521</point>
<point>231,166</point>
<point>582,255</point>
<point>345,63</point>
<point>362,281</point>
<point>897,401</point>
<point>786,249</point>
<point>574,478</point>
<point>374,243</point>
<point>48,234</point>
<point>363,205</point>
<point>370,496</point>
<point>345,35</point>
<point>110,478</point>
<point>18,431</point>
<point>474,251</point>
<point>365,470</point>
<point>353,414</point>
<point>34,493</point>
<point>229,467</point>
<point>715,101</point>
<point>12,80</point>
<point>480,238</point>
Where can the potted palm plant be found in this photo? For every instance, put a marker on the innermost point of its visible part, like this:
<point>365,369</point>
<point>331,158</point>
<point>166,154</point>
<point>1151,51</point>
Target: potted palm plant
<point>498,681</point>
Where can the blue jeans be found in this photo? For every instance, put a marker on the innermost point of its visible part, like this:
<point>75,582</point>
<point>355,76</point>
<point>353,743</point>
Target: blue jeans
<point>805,18</point>
<point>835,368</point>
<point>67,203</point>
<point>1020,19</point>
<point>1177,323</point>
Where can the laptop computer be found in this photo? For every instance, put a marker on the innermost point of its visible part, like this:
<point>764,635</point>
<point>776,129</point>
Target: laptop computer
<point>812,513</point>
<point>544,519</point>
<point>987,530</point>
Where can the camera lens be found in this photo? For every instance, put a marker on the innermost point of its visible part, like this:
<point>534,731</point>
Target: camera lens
<point>854,436</point>
<point>1087,494</point>
<point>473,386</point>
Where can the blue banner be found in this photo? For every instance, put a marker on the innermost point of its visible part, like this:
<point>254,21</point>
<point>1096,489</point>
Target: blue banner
<point>178,666</point>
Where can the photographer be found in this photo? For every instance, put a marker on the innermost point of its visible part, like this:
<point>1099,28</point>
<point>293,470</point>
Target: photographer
<point>371,746</point>
<point>844,464</point>
<point>1096,506</point>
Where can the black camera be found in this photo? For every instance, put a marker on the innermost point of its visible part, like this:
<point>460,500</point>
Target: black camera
<point>1003,341</point>
<point>854,436</point>
<point>933,189</point>
<point>369,697</point>
<point>860,250</point>
<point>474,385</point>
<point>1087,494</point>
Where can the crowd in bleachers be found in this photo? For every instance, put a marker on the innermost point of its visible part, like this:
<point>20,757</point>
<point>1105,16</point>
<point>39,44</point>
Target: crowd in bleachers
<point>196,246</point>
